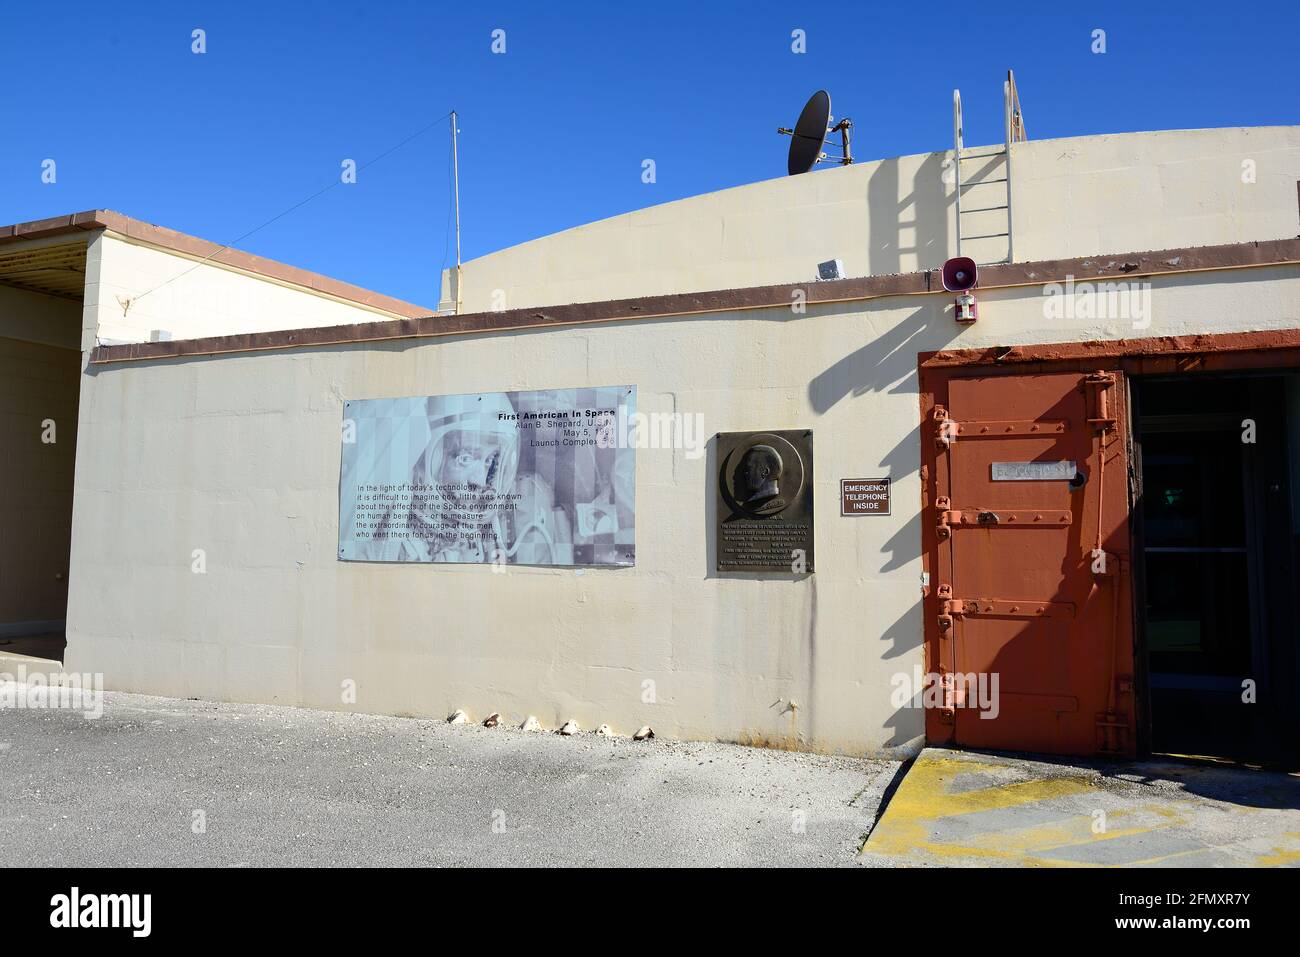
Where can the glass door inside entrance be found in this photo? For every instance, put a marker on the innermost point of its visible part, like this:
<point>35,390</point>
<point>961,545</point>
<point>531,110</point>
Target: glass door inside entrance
<point>1214,550</point>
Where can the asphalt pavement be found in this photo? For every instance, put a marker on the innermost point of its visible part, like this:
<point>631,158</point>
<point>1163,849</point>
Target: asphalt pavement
<point>164,781</point>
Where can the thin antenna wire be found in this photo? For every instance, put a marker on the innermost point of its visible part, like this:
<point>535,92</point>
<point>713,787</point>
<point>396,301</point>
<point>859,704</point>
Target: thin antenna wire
<point>295,206</point>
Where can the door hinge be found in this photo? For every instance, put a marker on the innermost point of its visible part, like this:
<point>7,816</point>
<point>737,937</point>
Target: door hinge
<point>945,429</point>
<point>944,593</point>
<point>1100,414</point>
<point>950,518</point>
<point>1010,429</point>
<point>942,504</point>
<point>948,696</point>
<point>948,430</point>
<point>951,607</point>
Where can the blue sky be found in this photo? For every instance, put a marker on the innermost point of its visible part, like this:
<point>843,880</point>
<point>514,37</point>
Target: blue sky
<point>554,131</point>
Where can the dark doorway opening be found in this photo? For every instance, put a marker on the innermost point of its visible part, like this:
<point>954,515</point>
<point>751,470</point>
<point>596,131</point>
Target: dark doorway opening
<point>1215,560</point>
<point>39,391</point>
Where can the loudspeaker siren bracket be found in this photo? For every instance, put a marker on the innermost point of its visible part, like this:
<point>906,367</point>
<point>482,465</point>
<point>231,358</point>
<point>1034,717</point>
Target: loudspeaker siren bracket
<point>960,275</point>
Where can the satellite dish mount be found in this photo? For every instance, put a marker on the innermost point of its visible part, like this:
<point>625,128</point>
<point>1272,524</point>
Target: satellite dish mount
<point>808,137</point>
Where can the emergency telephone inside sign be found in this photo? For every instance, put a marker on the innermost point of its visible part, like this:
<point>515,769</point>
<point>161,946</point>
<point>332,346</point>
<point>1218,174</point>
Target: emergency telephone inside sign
<point>864,496</point>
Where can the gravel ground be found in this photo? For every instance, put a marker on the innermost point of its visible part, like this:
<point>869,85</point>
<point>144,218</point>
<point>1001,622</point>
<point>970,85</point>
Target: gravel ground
<point>267,785</point>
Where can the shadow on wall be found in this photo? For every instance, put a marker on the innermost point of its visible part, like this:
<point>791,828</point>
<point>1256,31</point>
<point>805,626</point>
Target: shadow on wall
<point>887,363</point>
<point>900,244</point>
<point>906,725</point>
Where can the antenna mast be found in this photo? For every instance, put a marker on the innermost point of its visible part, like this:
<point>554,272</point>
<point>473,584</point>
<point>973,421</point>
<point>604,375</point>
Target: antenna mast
<point>455,177</point>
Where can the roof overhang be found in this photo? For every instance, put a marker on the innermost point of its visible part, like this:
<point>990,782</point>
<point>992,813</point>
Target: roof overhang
<point>52,268</point>
<point>34,257</point>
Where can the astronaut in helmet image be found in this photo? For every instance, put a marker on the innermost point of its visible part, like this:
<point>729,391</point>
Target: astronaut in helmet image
<point>471,504</point>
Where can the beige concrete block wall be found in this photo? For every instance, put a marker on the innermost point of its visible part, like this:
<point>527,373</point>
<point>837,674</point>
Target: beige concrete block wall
<point>238,455</point>
<point>33,317</point>
<point>1130,192</point>
<point>1081,196</point>
<point>40,369</point>
<point>190,299</point>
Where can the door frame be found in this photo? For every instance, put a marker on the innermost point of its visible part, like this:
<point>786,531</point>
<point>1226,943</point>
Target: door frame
<point>1133,358</point>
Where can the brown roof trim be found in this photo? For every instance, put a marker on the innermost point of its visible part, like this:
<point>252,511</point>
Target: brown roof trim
<point>1130,265</point>
<point>169,239</point>
<point>57,226</point>
<point>1208,348</point>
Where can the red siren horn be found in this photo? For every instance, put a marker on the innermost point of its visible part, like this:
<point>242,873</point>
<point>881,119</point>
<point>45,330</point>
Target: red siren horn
<point>961,276</point>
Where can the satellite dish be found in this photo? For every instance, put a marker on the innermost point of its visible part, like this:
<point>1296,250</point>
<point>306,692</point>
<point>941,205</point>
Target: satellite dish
<point>809,133</point>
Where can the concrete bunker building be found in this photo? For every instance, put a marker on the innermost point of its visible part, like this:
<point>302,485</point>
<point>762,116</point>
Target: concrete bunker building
<point>1094,489</point>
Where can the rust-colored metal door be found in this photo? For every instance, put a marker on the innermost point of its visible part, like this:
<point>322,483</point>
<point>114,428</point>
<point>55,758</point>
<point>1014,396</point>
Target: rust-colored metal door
<point>1029,615</point>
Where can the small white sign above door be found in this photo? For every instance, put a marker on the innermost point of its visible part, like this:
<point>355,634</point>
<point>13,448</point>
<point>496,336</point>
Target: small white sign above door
<point>1034,471</point>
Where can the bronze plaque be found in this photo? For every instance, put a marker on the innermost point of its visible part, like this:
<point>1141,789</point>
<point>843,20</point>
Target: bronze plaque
<point>765,501</point>
<point>864,496</point>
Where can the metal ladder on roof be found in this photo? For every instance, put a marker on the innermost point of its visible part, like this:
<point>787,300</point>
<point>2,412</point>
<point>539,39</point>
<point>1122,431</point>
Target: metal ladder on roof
<point>1015,133</point>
